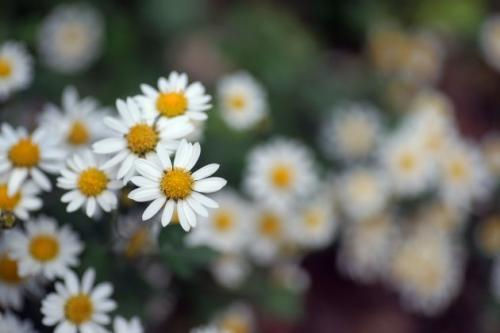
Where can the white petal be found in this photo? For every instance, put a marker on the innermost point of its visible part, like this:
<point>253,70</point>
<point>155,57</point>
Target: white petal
<point>109,145</point>
<point>148,169</point>
<point>209,185</point>
<point>168,211</point>
<point>91,206</point>
<point>153,208</point>
<point>144,194</point>
<point>40,179</point>
<point>204,200</point>
<point>195,155</point>
<point>206,171</point>
<point>16,179</point>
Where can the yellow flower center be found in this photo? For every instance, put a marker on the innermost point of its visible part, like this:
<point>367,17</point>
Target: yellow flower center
<point>25,153</point>
<point>6,202</point>
<point>270,226</point>
<point>142,139</point>
<point>79,309</point>
<point>78,134</point>
<point>44,247</point>
<point>282,176</point>
<point>458,170</point>
<point>223,221</point>
<point>407,162</point>
<point>5,68</point>
<point>171,104</point>
<point>92,182</point>
<point>236,102</point>
<point>137,243</point>
<point>9,270</point>
<point>235,324</point>
<point>176,184</point>
<point>313,219</point>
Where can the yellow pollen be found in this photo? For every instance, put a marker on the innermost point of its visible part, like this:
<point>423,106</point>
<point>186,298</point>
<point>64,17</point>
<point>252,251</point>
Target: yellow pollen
<point>458,170</point>
<point>142,139</point>
<point>137,243</point>
<point>236,102</point>
<point>25,153</point>
<point>223,221</point>
<point>171,104</point>
<point>270,226</point>
<point>92,182</point>
<point>5,68</point>
<point>8,203</point>
<point>9,270</point>
<point>281,176</point>
<point>44,248</point>
<point>176,184</point>
<point>407,162</point>
<point>78,309</point>
<point>78,134</point>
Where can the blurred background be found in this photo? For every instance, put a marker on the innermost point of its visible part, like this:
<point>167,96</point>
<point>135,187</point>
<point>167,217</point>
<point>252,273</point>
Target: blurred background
<point>310,58</point>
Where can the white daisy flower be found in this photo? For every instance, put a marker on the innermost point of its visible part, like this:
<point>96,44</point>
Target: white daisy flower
<point>489,40</point>
<point>464,175</point>
<point>175,97</point>
<point>280,172</point>
<point>79,120</point>
<point>121,325</point>
<point>134,239</point>
<point>291,276</point>
<point>427,268</point>
<point>22,202</point>
<point>366,246</point>
<point>16,68</point>
<point>78,306</point>
<point>230,270</point>
<point>242,101</point>
<point>44,248</point>
<point>70,38</point>
<point>363,192</point>
<point>137,136</point>
<point>490,148</point>
<point>89,184</point>
<point>226,228</point>
<point>24,155</point>
<point>352,132</point>
<point>173,185</point>
<point>9,323</point>
<point>237,318</point>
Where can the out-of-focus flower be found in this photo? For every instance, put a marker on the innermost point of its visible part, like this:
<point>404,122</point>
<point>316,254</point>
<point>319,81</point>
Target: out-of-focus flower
<point>197,135</point>
<point>427,269</point>
<point>121,325</point>
<point>78,306</point>
<point>22,202</point>
<point>366,247</point>
<point>443,217</point>
<point>136,136</point>
<point>70,38</point>
<point>489,40</point>
<point>78,121</point>
<point>237,318</point>
<point>279,173</point>
<point>44,248</point>
<point>230,270</point>
<point>385,45</point>
<point>242,101</point>
<point>134,238</point>
<point>12,324</point>
<point>488,236</point>
<point>174,187</point>
<point>89,184</point>
<point>226,228</point>
<point>491,152</point>
<point>24,155</point>
<point>352,132</point>
<point>206,329</point>
<point>175,97</point>
<point>291,276</point>
<point>363,192</point>
<point>16,71</point>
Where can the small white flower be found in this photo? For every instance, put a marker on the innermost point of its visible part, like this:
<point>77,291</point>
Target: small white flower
<point>25,156</point>
<point>45,248</point>
<point>230,270</point>
<point>89,184</point>
<point>22,202</point>
<point>226,228</point>
<point>175,97</point>
<point>242,100</point>
<point>133,238</point>
<point>489,40</point>
<point>9,323</point>
<point>352,132</point>
<point>279,173</point>
<point>174,186</point>
<point>78,306</point>
<point>137,136</point>
<point>79,120</point>
<point>121,325</point>
<point>70,38</point>
<point>16,71</point>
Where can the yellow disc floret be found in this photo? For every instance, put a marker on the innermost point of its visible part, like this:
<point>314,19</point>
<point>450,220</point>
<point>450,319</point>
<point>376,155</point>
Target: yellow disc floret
<point>270,226</point>
<point>79,309</point>
<point>236,102</point>
<point>9,270</point>
<point>44,247</point>
<point>142,139</point>
<point>5,68</point>
<point>171,104</point>
<point>92,182</point>
<point>177,184</point>
<point>25,153</point>
<point>223,221</point>
<point>78,134</point>
<point>282,176</point>
<point>8,203</point>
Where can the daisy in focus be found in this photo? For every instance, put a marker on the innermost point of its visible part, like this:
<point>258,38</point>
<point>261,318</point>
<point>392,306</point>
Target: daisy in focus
<point>78,120</point>
<point>137,136</point>
<point>89,185</point>
<point>242,101</point>
<point>172,186</point>
<point>16,68</point>
<point>134,239</point>
<point>9,323</point>
<point>44,248</point>
<point>24,155</point>
<point>121,325</point>
<point>78,306</point>
<point>226,228</point>
<point>489,40</point>
<point>175,97</point>
<point>70,38</point>
<point>22,202</point>
<point>279,173</point>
